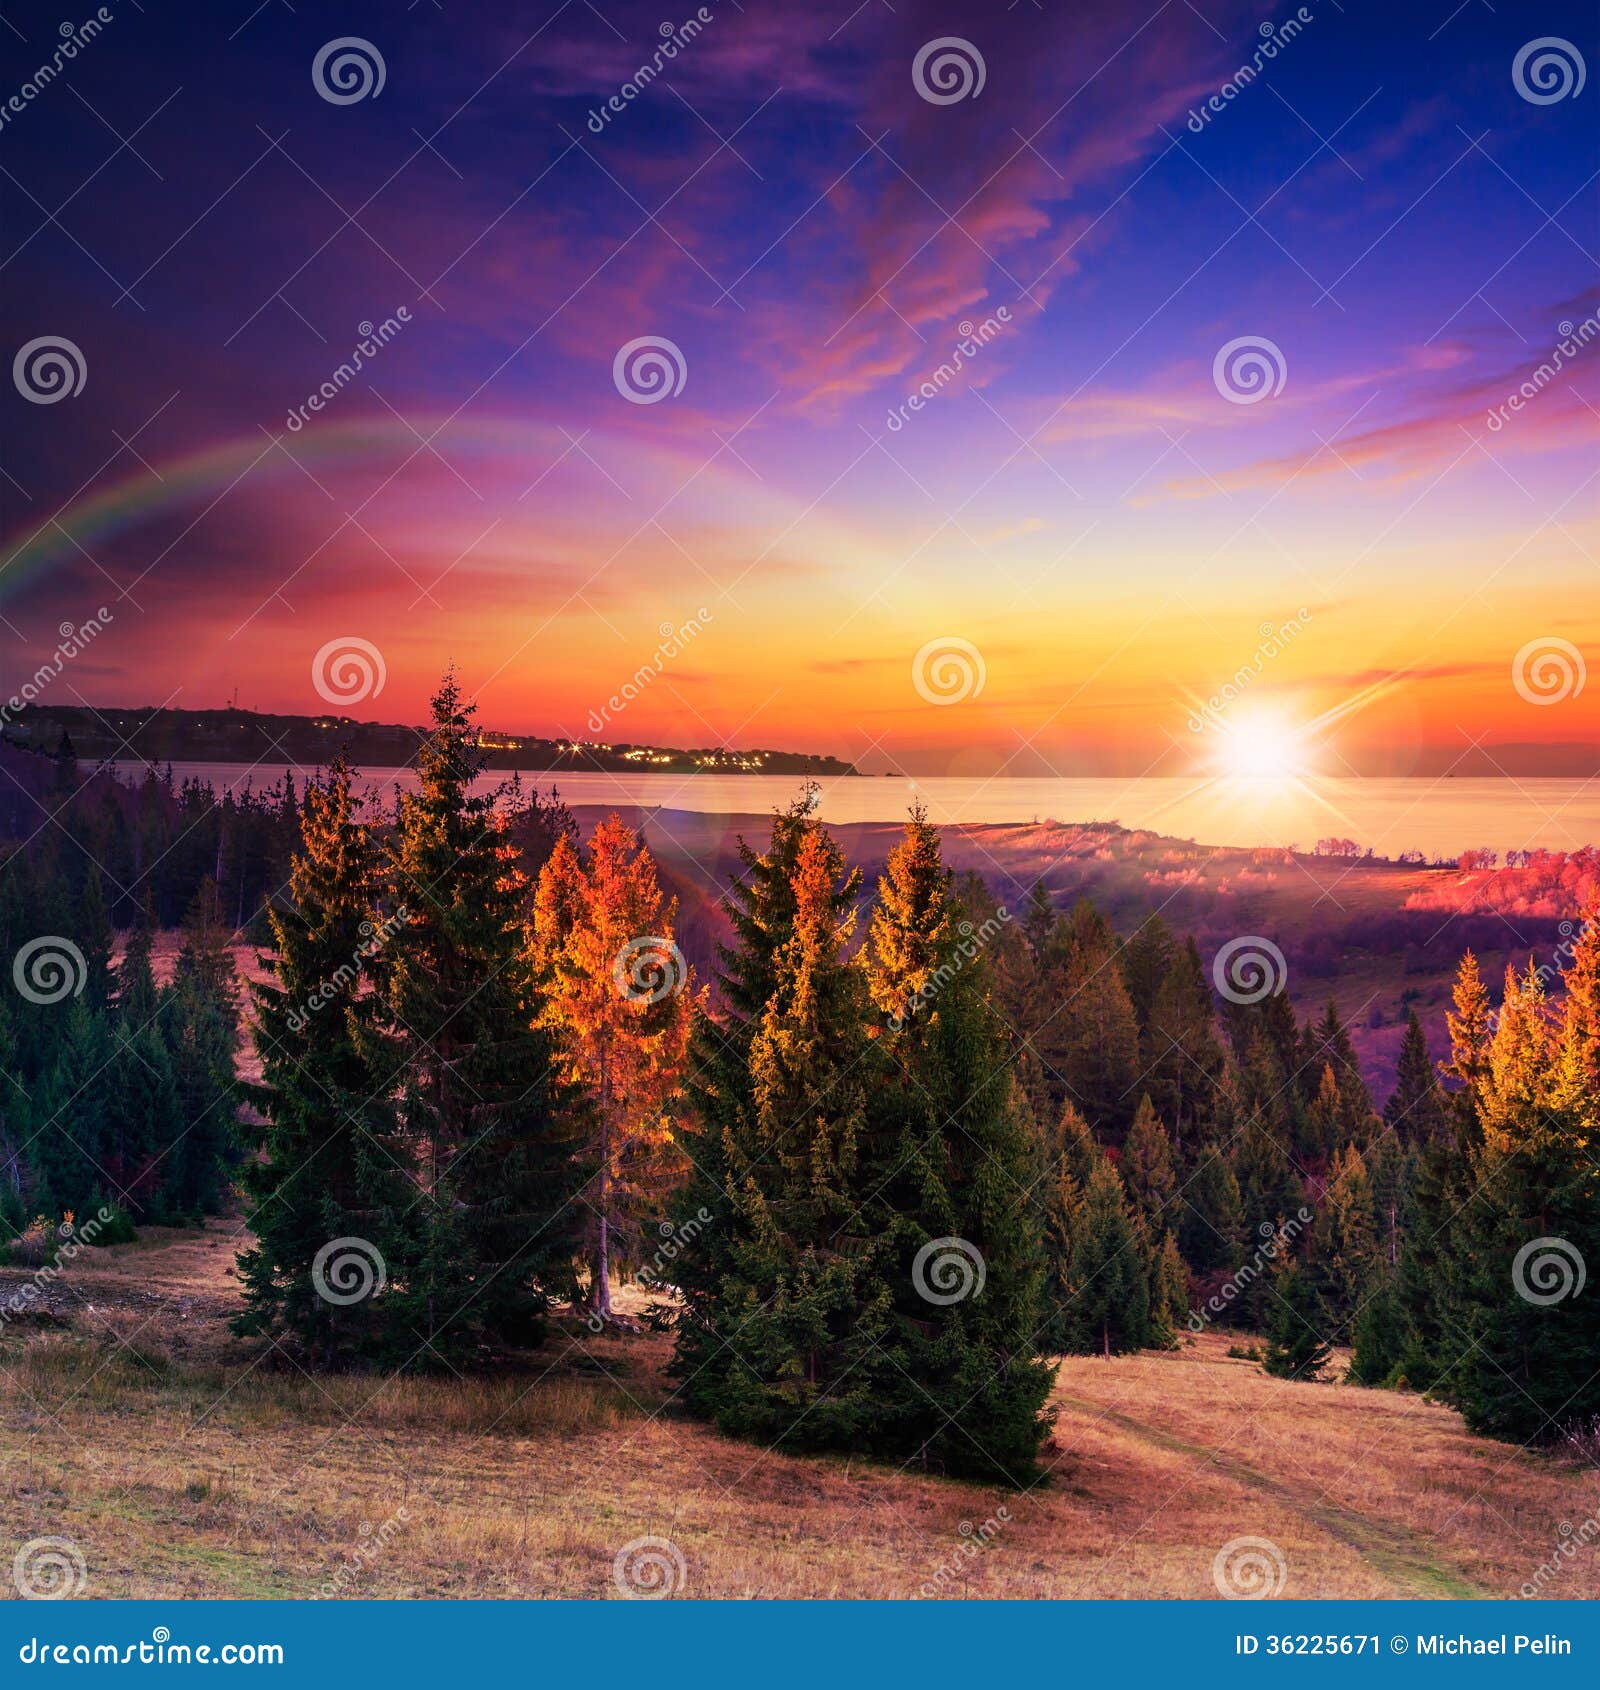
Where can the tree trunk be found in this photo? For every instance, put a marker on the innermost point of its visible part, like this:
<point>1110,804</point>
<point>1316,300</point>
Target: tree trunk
<point>600,1293</point>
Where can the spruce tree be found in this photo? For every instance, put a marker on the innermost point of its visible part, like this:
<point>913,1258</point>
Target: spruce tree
<point>760,911</point>
<point>331,1166</point>
<point>804,1310</point>
<point>957,1200</point>
<point>1147,1171</point>
<point>1416,1109</point>
<point>457,1007</point>
<point>1297,1344</point>
<point>1110,1290</point>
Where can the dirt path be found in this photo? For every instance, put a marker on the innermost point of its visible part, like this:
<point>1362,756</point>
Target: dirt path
<point>1392,1551</point>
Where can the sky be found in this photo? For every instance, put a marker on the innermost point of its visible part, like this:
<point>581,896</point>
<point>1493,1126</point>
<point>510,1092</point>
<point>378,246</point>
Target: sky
<point>958,389</point>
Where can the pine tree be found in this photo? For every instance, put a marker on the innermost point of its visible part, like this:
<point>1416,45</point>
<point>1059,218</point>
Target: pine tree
<point>1180,1056</point>
<point>1343,1253</point>
<point>1211,1220</point>
<point>760,910</point>
<point>1471,1026</point>
<point>804,1308</point>
<point>1146,962</point>
<point>332,1166</point>
<point>1147,1171</point>
<point>1416,1108</point>
<point>957,1194</point>
<point>1169,1293</point>
<point>1110,1290</point>
<point>1297,1346</point>
<point>1096,1038</point>
<point>457,1006</point>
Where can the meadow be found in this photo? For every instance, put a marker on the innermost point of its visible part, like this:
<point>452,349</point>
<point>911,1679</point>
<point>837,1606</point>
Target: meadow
<point>185,1463</point>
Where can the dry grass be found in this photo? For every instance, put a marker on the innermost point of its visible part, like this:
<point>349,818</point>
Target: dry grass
<point>185,1464</point>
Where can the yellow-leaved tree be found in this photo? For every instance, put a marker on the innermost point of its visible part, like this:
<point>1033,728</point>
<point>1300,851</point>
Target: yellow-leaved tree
<point>618,1003</point>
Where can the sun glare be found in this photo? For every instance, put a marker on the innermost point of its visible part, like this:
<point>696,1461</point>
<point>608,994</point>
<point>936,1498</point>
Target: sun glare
<point>1263,749</point>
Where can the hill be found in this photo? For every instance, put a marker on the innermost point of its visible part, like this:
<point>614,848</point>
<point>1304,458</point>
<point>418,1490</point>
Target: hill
<point>182,1463</point>
<point>156,735</point>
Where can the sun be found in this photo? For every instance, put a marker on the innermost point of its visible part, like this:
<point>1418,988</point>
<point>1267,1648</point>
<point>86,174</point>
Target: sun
<point>1263,748</point>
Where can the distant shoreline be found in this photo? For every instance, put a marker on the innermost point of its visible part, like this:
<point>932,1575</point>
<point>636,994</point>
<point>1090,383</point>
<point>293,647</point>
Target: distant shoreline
<point>248,738</point>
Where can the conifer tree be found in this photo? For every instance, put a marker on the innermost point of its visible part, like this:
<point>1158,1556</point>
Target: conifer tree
<point>1110,1290</point>
<point>1147,1171</point>
<point>804,1309</point>
<point>957,1197</point>
<point>1211,1220</point>
<point>1343,1253</point>
<point>760,911</point>
<point>1179,1053</point>
<point>1095,1047</point>
<point>332,1166</point>
<point>479,1098</point>
<point>1416,1108</point>
<point>1297,1346</point>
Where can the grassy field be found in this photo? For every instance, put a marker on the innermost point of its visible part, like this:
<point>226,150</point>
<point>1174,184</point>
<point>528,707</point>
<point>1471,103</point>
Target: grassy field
<point>180,1462</point>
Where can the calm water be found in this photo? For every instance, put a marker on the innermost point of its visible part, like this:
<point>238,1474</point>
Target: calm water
<point>1438,817</point>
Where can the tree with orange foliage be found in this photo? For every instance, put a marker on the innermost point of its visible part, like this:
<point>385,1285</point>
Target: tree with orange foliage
<point>618,1004</point>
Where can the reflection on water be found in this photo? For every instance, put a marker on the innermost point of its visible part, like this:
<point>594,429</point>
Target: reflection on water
<point>1439,817</point>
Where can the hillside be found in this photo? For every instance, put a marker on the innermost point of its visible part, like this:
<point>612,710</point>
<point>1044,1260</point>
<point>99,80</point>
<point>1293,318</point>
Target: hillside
<point>183,1463</point>
<point>159,735</point>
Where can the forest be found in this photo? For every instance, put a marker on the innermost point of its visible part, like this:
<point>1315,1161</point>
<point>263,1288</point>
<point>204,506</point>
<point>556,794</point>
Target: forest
<point>903,1147</point>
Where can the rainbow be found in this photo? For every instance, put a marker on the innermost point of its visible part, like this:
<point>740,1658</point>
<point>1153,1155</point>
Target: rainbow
<point>209,473</point>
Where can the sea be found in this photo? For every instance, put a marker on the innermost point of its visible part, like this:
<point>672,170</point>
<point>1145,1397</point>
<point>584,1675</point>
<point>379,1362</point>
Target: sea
<point>1439,817</point>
